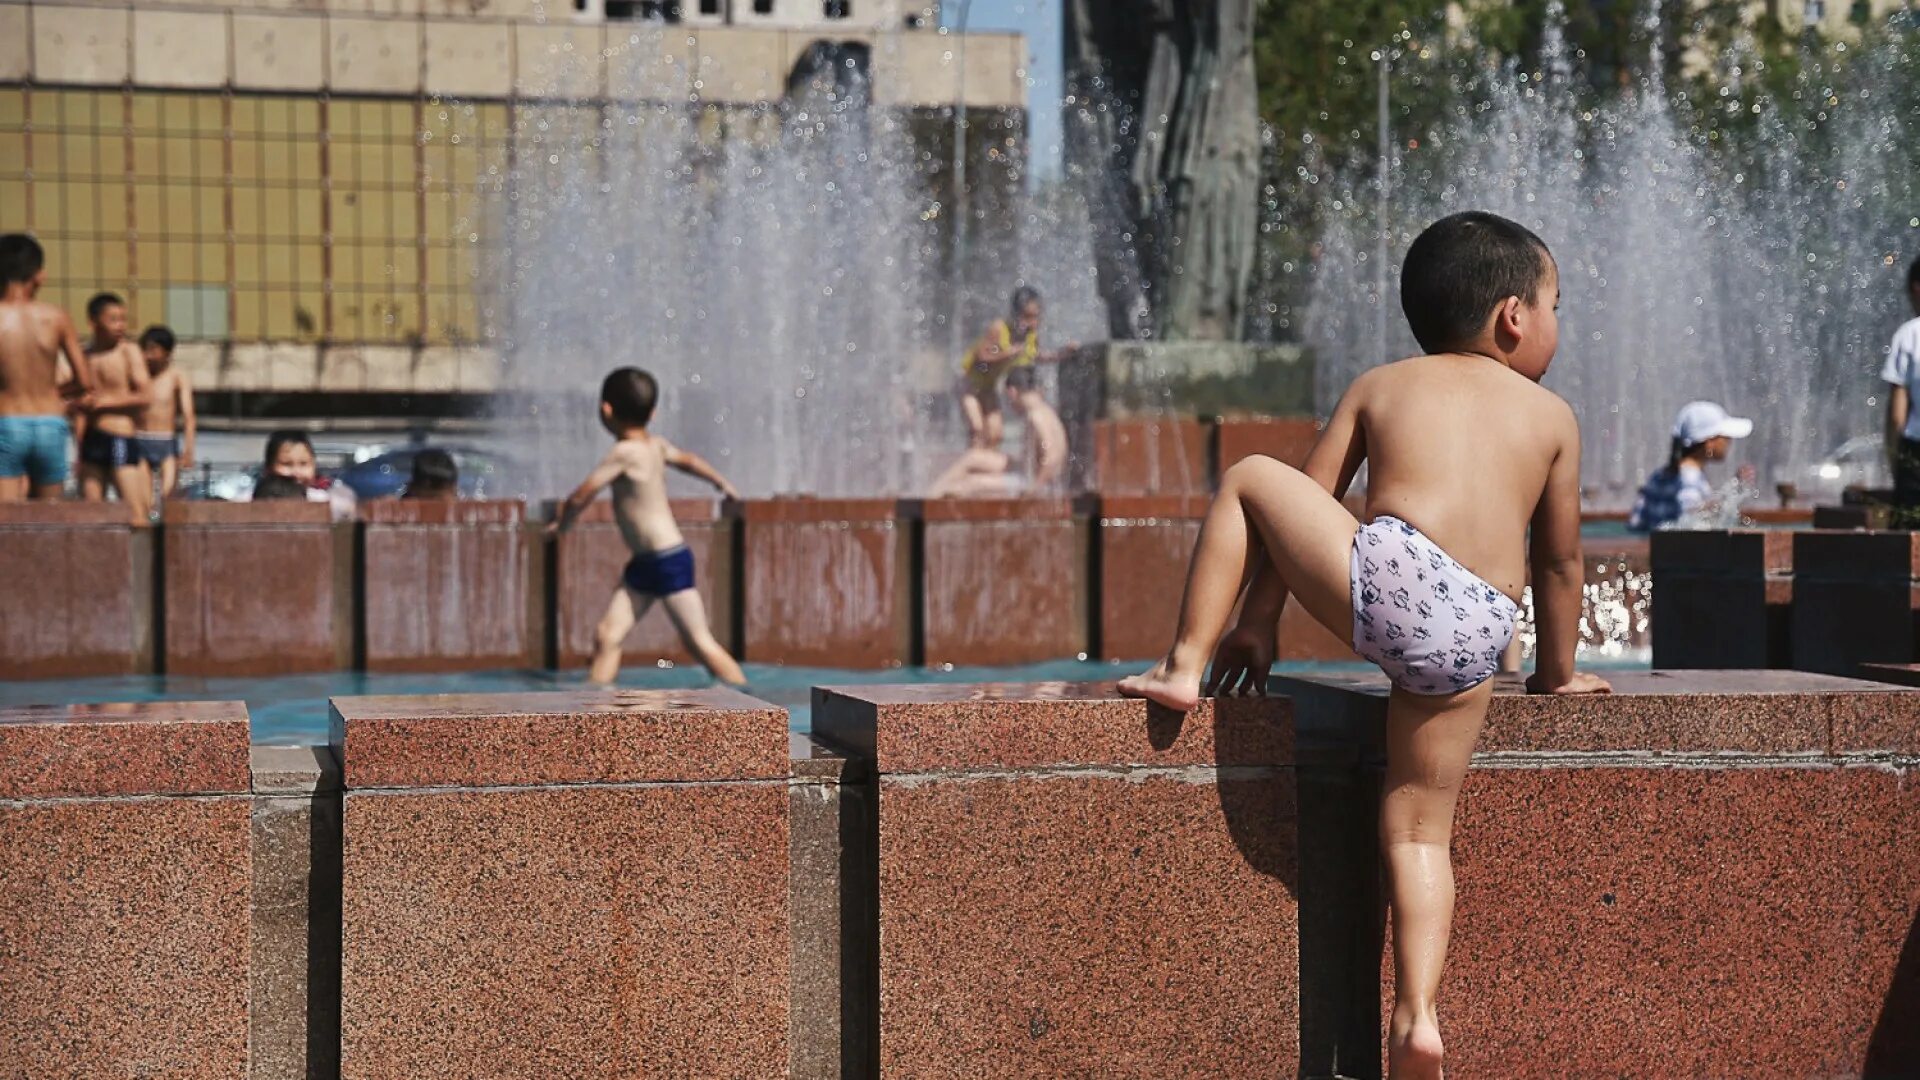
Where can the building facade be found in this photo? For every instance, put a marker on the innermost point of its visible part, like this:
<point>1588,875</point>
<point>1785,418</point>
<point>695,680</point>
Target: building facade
<point>299,191</point>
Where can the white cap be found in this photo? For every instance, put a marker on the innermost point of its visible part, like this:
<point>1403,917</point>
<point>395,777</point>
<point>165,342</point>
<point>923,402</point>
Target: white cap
<point>1703,420</point>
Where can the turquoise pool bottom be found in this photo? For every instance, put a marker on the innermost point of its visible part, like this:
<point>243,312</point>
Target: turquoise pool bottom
<point>292,709</point>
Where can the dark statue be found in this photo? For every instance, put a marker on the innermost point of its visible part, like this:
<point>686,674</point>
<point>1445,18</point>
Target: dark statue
<point>1163,136</point>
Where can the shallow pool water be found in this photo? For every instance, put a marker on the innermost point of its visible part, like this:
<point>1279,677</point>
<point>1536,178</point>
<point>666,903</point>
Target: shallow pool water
<point>292,709</point>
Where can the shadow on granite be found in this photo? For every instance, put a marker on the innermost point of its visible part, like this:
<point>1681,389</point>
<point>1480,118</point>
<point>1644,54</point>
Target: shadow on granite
<point>1893,1050</point>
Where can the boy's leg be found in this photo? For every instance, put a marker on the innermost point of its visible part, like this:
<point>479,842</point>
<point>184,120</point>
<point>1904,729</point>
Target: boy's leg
<point>135,485</point>
<point>93,482</point>
<point>1429,744</point>
<point>689,615</point>
<point>610,636</point>
<point>1049,437</point>
<point>169,475</point>
<point>1304,530</point>
<point>975,409</point>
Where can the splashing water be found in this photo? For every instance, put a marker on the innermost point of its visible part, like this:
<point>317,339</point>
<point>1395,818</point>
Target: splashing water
<point>1767,276</point>
<point>782,270</point>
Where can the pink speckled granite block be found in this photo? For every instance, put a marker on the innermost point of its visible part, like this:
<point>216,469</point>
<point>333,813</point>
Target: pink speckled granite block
<point>825,582</point>
<point>937,728</point>
<point>79,598</point>
<point>448,586</point>
<point>149,748</point>
<point>589,921</point>
<point>1677,922</point>
<point>607,736</point>
<point>255,588</point>
<point>986,561</point>
<point>1752,712</point>
<point>1074,884</point>
<point>124,908</point>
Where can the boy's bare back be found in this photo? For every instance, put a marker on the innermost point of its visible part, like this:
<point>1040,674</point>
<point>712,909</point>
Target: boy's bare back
<point>33,334</point>
<point>1468,451</point>
<point>640,505</point>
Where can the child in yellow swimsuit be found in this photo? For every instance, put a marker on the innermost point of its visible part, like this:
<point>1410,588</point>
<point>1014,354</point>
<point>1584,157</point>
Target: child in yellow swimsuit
<point>1008,350</point>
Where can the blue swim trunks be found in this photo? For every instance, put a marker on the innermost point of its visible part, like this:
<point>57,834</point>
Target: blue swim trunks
<point>34,447</point>
<point>155,449</point>
<point>660,573</point>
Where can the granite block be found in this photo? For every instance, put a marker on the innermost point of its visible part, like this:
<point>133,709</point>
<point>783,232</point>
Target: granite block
<point>935,728</point>
<point>588,560</point>
<point>84,603</point>
<point>445,585</point>
<point>1853,600</point>
<point>1652,712</point>
<point>1004,581</point>
<point>294,940</point>
<point>1289,439</point>
<point>147,748</point>
<point>608,736</point>
<point>825,583</point>
<point>1712,922</point>
<point>1145,544</point>
<point>1725,599</point>
<point>1152,455</point>
<point>255,588</point>
<point>566,931</point>
<point>1071,883</point>
<point>123,938</point>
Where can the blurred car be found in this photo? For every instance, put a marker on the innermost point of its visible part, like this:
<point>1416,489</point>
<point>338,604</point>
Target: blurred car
<point>483,473</point>
<point>1857,463</point>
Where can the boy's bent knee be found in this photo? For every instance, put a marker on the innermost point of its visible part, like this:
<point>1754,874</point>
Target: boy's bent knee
<point>1254,469</point>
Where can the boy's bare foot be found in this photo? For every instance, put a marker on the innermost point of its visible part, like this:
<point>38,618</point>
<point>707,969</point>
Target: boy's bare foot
<point>1162,685</point>
<point>1413,1048</point>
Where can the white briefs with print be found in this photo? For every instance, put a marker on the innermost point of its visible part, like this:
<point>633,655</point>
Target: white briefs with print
<point>1431,624</point>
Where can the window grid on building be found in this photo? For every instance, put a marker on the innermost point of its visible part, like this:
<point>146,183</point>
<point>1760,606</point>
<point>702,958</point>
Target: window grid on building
<point>259,218</point>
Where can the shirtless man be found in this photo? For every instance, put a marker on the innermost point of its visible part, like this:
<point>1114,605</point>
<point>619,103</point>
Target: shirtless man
<point>122,389</point>
<point>34,336</point>
<point>1474,476</point>
<point>662,567</point>
<point>170,400</point>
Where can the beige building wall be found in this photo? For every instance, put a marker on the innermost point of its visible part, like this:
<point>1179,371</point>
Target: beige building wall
<point>305,196</point>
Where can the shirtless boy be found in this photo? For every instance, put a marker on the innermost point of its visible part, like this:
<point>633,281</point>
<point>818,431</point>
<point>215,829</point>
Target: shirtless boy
<point>169,401</point>
<point>1465,451</point>
<point>33,410</point>
<point>662,567</point>
<point>107,454</point>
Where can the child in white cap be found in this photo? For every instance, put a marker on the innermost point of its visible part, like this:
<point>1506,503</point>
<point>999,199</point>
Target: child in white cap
<point>1679,489</point>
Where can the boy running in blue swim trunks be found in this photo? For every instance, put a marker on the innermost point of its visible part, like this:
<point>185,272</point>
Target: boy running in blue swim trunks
<point>662,567</point>
<point>1465,454</point>
<point>33,408</point>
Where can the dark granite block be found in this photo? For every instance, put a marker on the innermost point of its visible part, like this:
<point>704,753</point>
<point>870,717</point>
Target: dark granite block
<point>446,585</point>
<point>826,583</point>
<point>1853,600</point>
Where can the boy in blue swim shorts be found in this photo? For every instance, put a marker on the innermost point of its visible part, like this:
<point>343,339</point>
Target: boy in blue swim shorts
<point>1473,478</point>
<point>662,567</point>
<point>33,404</point>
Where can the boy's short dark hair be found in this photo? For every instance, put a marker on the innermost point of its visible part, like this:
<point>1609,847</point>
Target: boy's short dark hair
<point>1460,269</point>
<point>433,470</point>
<point>101,302</point>
<point>157,337</point>
<point>1913,274</point>
<point>631,394</point>
<point>21,257</point>
<point>275,486</point>
<point>1022,296</point>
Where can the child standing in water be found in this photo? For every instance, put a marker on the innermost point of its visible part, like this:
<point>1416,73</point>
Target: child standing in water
<point>662,567</point>
<point>1009,351</point>
<point>33,408</point>
<point>1466,453</point>
<point>169,404</point>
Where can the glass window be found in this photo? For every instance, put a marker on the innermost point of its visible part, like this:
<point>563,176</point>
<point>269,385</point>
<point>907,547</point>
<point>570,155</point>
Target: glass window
<point>13,109</point>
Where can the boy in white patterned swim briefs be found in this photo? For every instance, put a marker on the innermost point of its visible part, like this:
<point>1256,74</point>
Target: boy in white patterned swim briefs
<point>1467,457</point>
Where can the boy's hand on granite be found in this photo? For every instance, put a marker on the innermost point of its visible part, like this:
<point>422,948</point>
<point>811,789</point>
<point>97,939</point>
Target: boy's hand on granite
<point>1581,683</point>
<point>1241,663</point>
